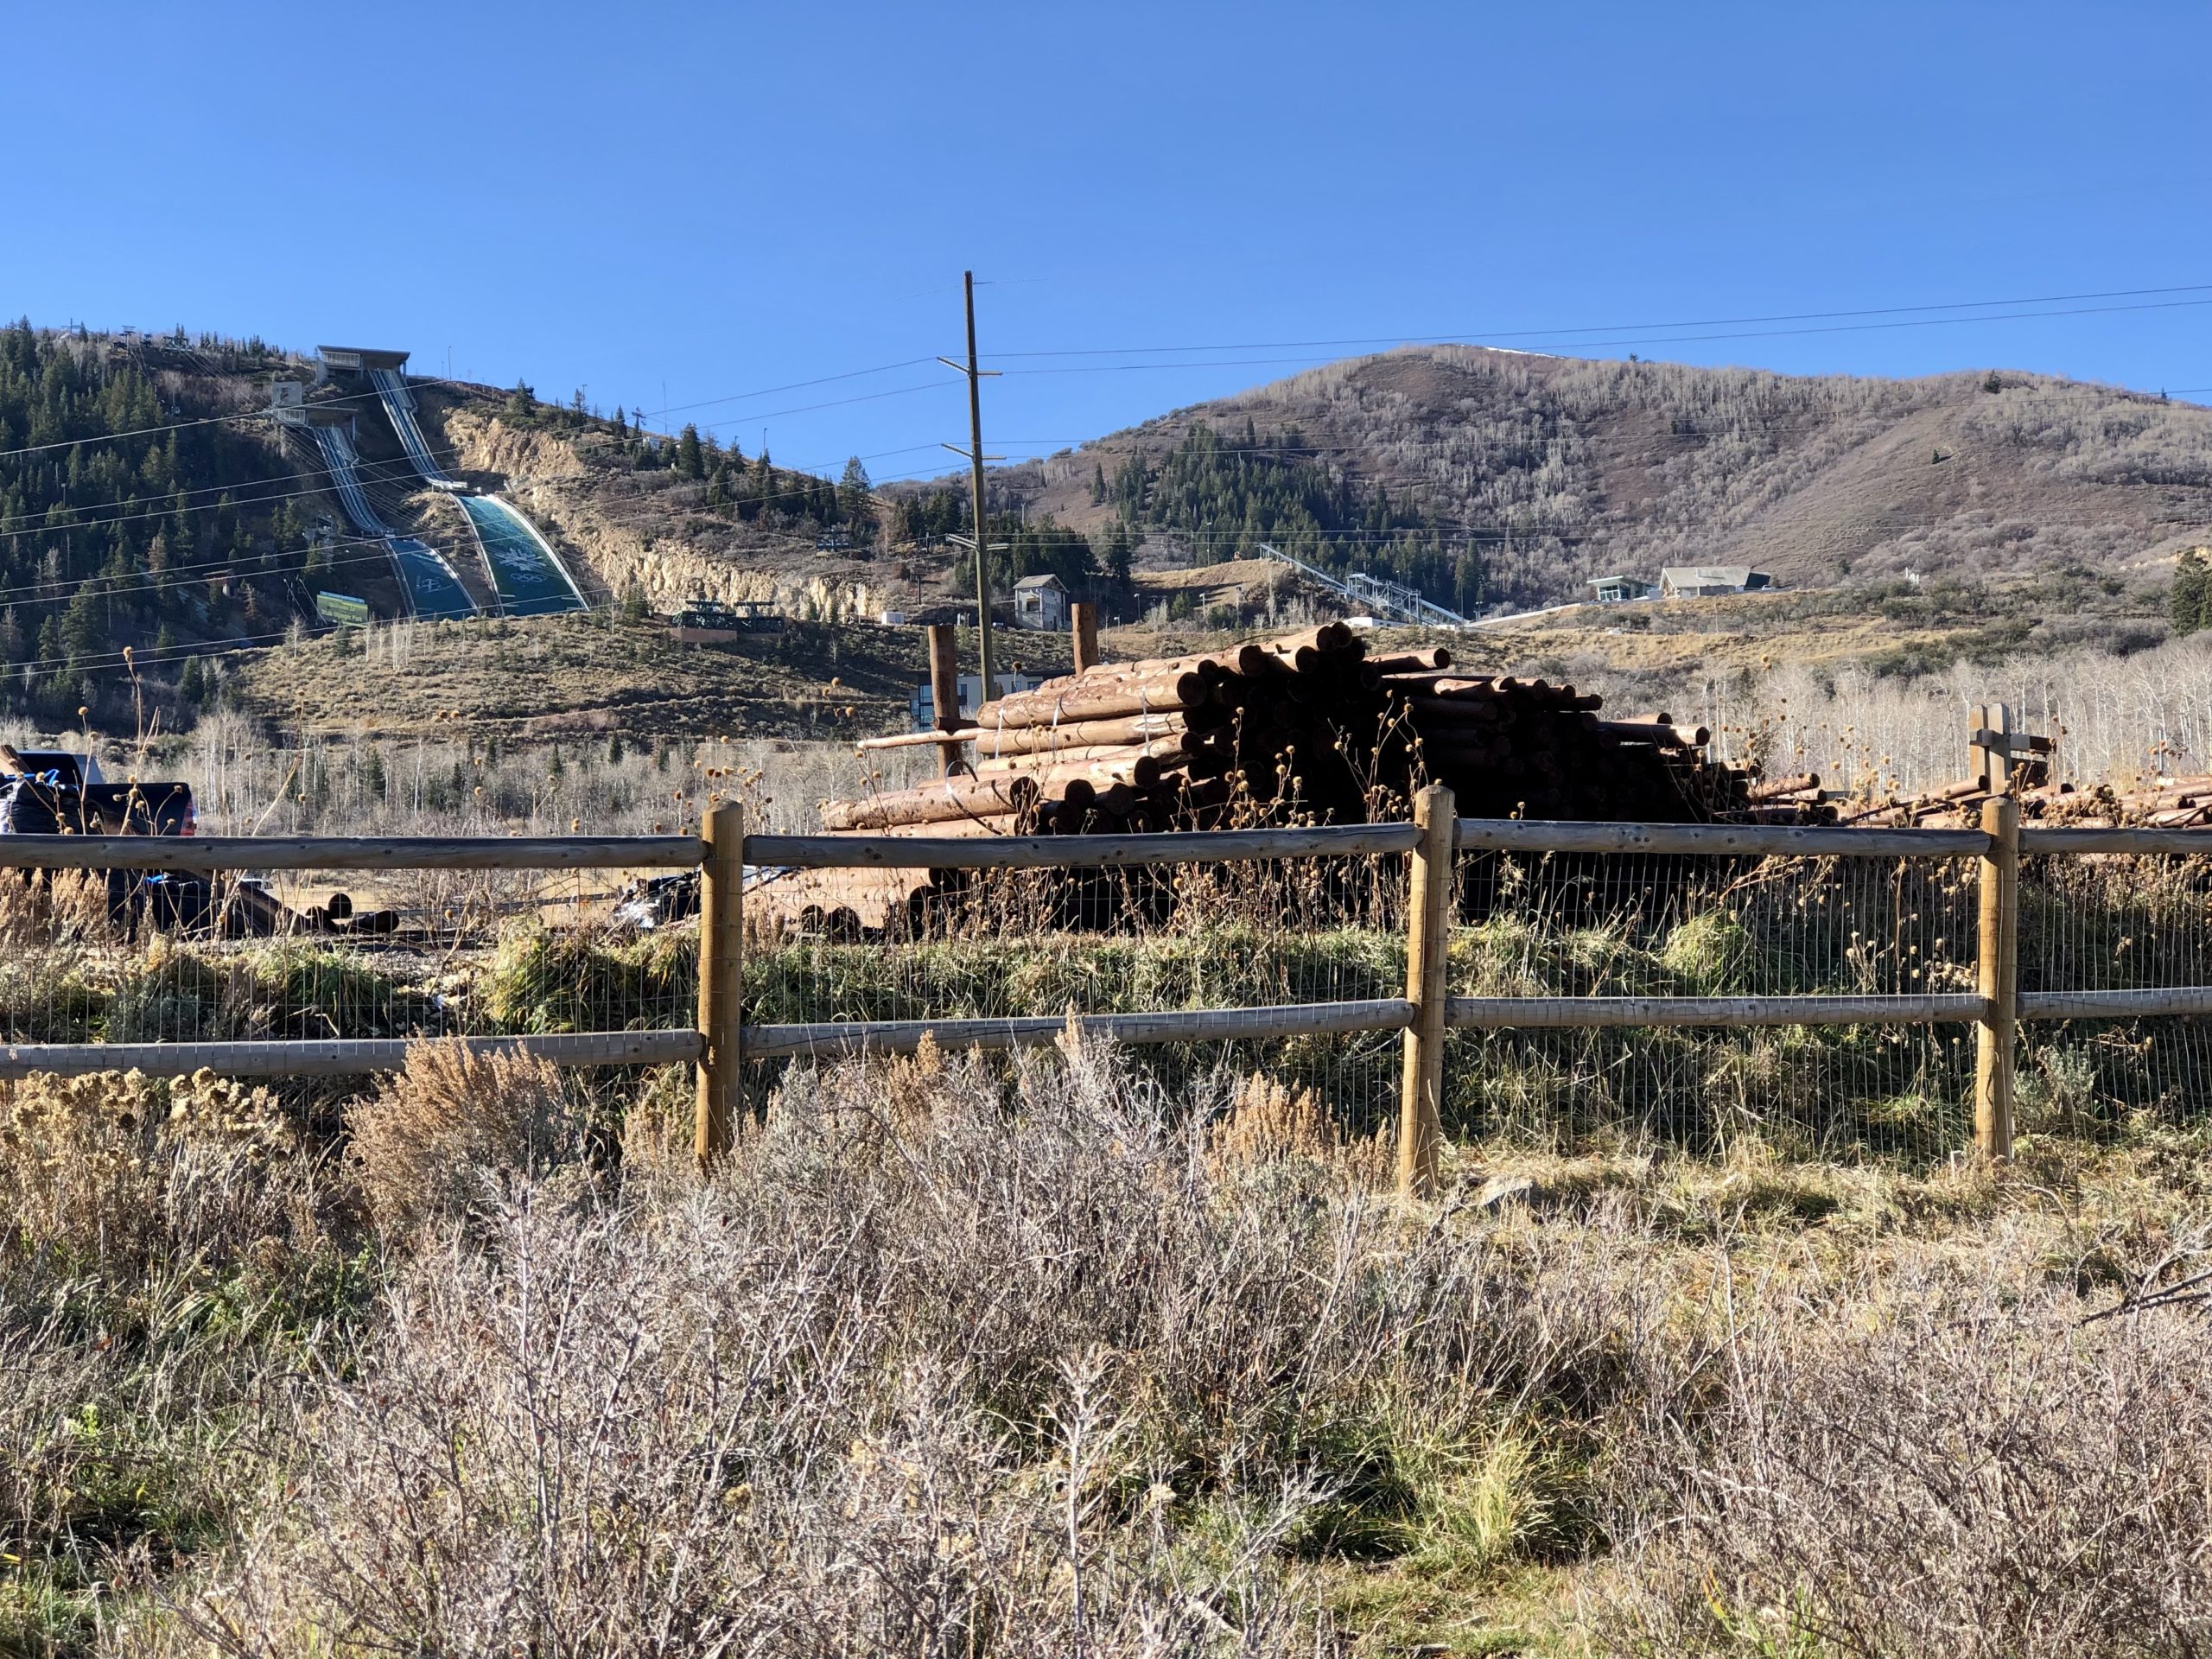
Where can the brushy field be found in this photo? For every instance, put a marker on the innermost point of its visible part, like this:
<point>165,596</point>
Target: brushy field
<point>1040,1357</point>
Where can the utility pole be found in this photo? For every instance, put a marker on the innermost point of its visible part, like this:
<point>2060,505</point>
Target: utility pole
<point>975,460</point>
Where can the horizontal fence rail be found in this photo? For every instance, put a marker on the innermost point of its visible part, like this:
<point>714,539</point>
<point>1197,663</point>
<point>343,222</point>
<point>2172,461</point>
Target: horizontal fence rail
<point>2148,1003</point>
<point>1182,1026</point>
<point>1746,840</point>
<point>338,1056</point>
<point>1512,1012</point>
<point>209,853</point>
<point>322,1057</point>
<point>1074,852</point>
<point>2058,838</point>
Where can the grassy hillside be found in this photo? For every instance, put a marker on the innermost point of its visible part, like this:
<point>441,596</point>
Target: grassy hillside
<point>1945,520</point>
<point>1560,469</point>
<point>603,672</point>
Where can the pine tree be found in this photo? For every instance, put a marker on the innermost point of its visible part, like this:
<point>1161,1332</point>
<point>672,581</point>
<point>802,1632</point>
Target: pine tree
<point>690,460</point>
<point>2186,603</point>
<point>83,629</point>
<point>853,489</point>
<point>1117,554</point>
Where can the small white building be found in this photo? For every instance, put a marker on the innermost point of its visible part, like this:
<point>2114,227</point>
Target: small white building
<point>1709,581</point>
<point>1040,602</point>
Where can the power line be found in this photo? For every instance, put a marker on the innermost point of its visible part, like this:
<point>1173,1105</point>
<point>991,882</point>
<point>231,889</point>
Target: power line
<point>744,396</point>
<point>167,426</point>
<point>442,452</point>
<point>477,387</point>
<point>1476,336</point>
<point>1585,345</point>
<point>28,595</point>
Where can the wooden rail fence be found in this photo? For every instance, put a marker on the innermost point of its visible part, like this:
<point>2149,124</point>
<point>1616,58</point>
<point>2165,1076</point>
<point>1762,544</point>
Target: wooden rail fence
<point>1426,1014</point>
<point>723,1041</point>
<point>338,1056</point>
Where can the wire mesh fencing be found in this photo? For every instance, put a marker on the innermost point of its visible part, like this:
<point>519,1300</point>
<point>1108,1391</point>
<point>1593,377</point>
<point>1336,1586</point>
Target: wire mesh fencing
<point>990,945</point>
<point>101,956</point>
<point>1621,925</point>
<point>2114,922</point>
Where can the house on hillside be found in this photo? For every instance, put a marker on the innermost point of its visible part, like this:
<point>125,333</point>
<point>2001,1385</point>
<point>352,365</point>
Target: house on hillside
<point>1611,590</point>
<point>1040,602</point>
<point>1708,580</point>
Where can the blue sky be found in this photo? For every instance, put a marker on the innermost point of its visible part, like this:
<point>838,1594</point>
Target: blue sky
<point>693,207</point>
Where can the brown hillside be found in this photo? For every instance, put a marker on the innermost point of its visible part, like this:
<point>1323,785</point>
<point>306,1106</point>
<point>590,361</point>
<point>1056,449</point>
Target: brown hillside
<point>1599,465</point>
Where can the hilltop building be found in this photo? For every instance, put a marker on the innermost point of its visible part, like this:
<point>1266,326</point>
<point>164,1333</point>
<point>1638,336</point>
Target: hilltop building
<point>1708,580</point>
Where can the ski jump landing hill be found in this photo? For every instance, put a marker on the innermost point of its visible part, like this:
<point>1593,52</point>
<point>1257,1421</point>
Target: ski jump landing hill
<point>527,576</point>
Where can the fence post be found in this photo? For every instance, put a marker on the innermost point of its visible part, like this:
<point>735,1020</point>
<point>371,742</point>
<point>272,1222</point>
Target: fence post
<point>945,689</point>
<point>1420,1087</point>
<point>1083,618</point>
<point>722,982</point>
<point>1999,977</point>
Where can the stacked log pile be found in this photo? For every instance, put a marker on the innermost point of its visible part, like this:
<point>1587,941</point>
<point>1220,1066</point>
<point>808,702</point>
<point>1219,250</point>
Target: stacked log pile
<point>1309,728</point>
<point>2158,804</point>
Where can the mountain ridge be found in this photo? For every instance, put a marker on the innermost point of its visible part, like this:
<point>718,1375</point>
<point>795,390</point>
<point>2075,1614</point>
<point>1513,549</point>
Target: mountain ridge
<point>1565,468</point>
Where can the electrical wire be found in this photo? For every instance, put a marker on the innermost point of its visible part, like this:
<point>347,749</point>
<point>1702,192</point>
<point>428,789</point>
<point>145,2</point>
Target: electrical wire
<point>442,452</point>
<point>465,385</point>
<point>140,582</point>
<point>1909,315</point>
<point>1476,337</point>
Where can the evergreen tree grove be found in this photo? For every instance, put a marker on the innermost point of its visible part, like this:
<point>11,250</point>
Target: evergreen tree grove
<point>2187,602</point>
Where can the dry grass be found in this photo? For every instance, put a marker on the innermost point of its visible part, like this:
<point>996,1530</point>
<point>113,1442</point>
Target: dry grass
<point>38,913</point>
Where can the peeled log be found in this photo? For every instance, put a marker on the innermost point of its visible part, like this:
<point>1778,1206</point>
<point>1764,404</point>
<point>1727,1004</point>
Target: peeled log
<point>1136,763</point>
<point>1072,735</point>
<point>1113,673</point>
<point>941,801</point>
<point>1765,794</point>
<point>1108,700</point>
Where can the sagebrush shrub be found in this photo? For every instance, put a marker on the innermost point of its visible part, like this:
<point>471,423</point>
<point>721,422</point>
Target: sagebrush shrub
<point>443,1136</point>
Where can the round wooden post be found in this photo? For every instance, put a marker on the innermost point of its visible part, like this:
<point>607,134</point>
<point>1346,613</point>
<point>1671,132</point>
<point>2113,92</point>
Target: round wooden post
<point>1082,617</point>
<point>721,983</point>
<point>1428,898</point>
<point>1998,978</point>
<point>945,688</point>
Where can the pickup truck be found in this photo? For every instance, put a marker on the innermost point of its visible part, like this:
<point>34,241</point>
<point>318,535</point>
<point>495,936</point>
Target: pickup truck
<point>53,792</point>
